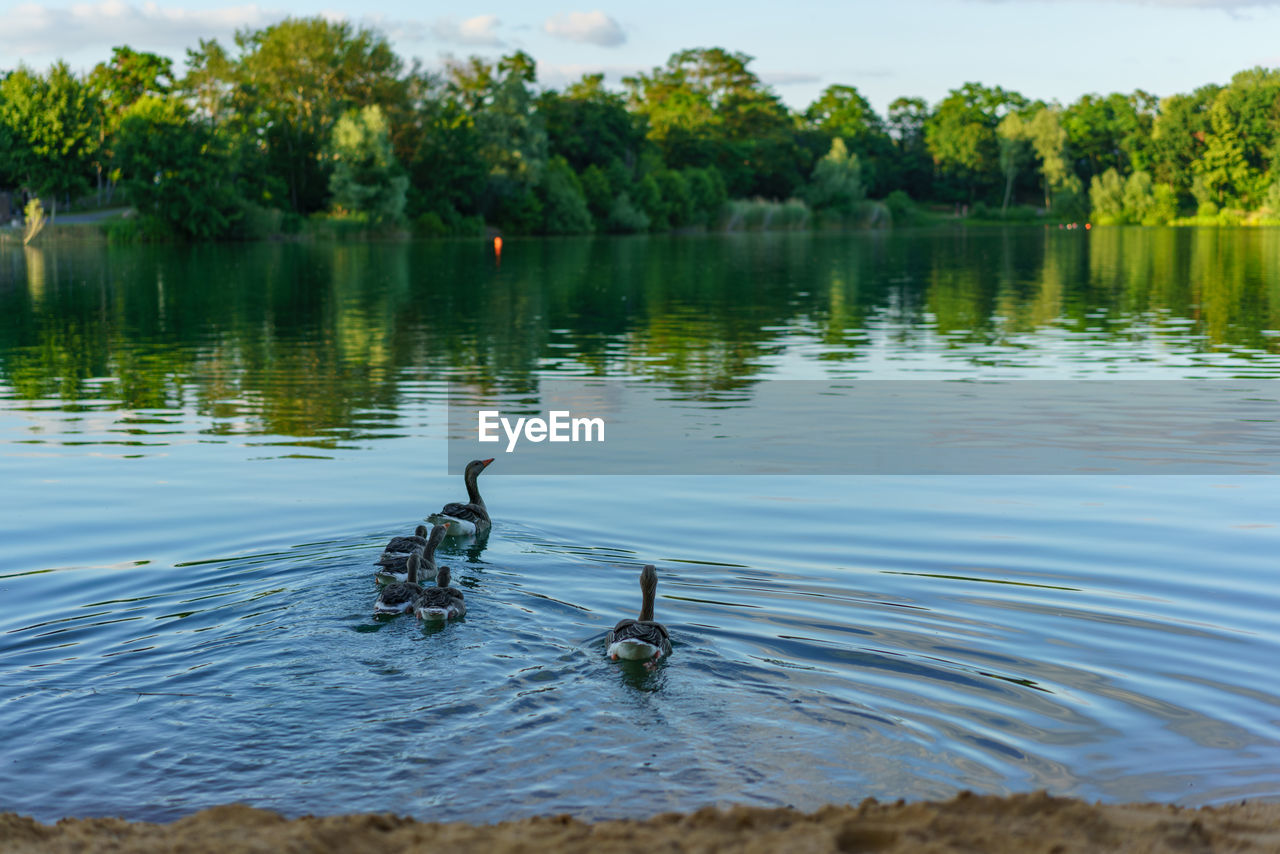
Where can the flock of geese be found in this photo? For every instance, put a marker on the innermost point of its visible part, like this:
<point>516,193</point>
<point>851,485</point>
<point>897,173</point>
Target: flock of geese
<point>406,561</point>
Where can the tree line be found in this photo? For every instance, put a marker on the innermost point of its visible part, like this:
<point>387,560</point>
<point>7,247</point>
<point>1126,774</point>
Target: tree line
<point>316,118</point>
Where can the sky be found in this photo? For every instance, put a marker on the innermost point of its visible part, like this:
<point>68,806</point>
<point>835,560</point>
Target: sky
<point>1047,49</point>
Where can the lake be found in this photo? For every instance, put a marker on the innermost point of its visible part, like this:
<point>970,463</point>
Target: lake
<point>203,450</point>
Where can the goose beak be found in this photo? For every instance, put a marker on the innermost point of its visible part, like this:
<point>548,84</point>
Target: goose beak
<point>486,462</point>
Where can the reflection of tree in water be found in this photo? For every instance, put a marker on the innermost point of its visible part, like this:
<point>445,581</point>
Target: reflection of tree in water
<point>317,341</point>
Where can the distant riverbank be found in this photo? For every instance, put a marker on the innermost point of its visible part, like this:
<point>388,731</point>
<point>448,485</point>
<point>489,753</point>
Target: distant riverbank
<point>994,825</point>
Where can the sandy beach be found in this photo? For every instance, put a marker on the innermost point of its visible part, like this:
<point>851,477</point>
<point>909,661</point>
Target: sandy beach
<point>1019,823</point>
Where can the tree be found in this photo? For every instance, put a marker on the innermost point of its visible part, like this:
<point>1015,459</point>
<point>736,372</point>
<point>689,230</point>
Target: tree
<point>961,136</point>
<point>841,112</point>
<point>118,85</point>
<point>564,207</point>
<point>1013,136</point>
<point>366,177</point>
<point>705,107</point>
<point>511,137</point>
<point>51,123</point>
<point>1106,195</point>
<point>911,168</point>
<point>1178,136</point>
<point>1049,139</point>
<point>173,171</point>
<point>289,85</point>
<point>589,125</point>
<point>836,184</point>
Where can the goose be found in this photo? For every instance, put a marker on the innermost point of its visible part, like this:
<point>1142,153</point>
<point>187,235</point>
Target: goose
<point>441,602</point>
<point>396,567</point>
<point>398,598</point>
<point>404,545</point>
<point>469,518</point>
<point>642,639</point>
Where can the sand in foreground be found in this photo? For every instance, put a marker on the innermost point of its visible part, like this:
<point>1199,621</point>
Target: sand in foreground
<point>1020,823</point>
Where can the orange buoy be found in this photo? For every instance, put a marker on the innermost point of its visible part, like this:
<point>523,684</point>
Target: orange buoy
<point>497,246</point>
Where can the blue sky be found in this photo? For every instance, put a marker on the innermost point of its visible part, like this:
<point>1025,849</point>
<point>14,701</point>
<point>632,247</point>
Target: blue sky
<point>1051,49</point>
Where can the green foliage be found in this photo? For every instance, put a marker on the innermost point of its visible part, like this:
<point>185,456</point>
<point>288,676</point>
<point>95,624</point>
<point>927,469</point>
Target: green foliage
<point>842,112</point>
<point>836,184</point>
<point>598,191</point>
<point>1049,139</point>
<point>1164,207</point>
<point>1111,132</point>
<point>706,108</point>
<point>310,115</point>
<point>961,136</point>
<point>174,172</point>
<point>51,129</point>
<point>901,207</point>
<point>766,215</point>
<point>1014,139</point>
<point>1138,199</point>
<point>625,217</point>
<point>366,178</point>
<point>588,125</point>
<point>1271,201</point>
<point>1106,198</point>
<point>648,196</point>
<point>707,193</point>
<point>281,96</point>
<point>564,207</point>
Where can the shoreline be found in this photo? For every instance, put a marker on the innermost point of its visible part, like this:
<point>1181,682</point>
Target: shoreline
<point>966,822</point>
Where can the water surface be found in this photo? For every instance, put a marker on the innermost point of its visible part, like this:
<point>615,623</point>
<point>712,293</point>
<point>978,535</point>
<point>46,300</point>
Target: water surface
<point>202,451</point>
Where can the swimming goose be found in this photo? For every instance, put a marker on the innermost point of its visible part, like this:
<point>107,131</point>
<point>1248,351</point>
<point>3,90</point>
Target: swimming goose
<point>404,545</point>
<point>441,602</point>
<point>469,518</point>
<point>398,598</point>
<point>642,639</point>
<point>396,568</point>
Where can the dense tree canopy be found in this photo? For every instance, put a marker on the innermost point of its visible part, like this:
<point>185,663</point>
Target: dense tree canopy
<point>313,117</point>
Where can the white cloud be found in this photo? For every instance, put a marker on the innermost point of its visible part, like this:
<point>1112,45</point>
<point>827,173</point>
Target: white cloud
<point>589,27</point>
<point>479,31</point>
<point>38,30</point>
<point>788,78</point>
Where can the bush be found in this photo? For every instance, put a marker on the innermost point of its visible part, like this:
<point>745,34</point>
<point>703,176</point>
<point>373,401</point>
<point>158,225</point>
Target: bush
<point>1106,196</point>
<point>836,184</point>
<point>597,190</point>
<point>901,208</point>
<point>625,217</point>
<point>564,207</point>
<point>430,224</point>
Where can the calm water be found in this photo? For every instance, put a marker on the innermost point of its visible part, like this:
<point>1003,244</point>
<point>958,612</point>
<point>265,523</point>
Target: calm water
<point>202,451</point>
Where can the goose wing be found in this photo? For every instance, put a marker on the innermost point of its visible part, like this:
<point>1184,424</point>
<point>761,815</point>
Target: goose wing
<point>473,513</point>
<point>405,544</point>
<point>401,595</point>
<point>646,631</point>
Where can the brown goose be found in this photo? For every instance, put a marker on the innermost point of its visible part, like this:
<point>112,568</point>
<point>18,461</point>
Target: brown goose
<point>396,567</point>
<point>441,602</point>
<point>642,639</point>
<point>398,598</point>
<point>404,545</point>
<point>469,518</point>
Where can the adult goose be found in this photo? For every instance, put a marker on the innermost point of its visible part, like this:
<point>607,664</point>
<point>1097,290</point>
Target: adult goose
<point>642,639</point>
<point>398,598</point>
<point>395,567</point>
<point>404,545</point>
<point>441,602</point>
<point>469,518</point>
